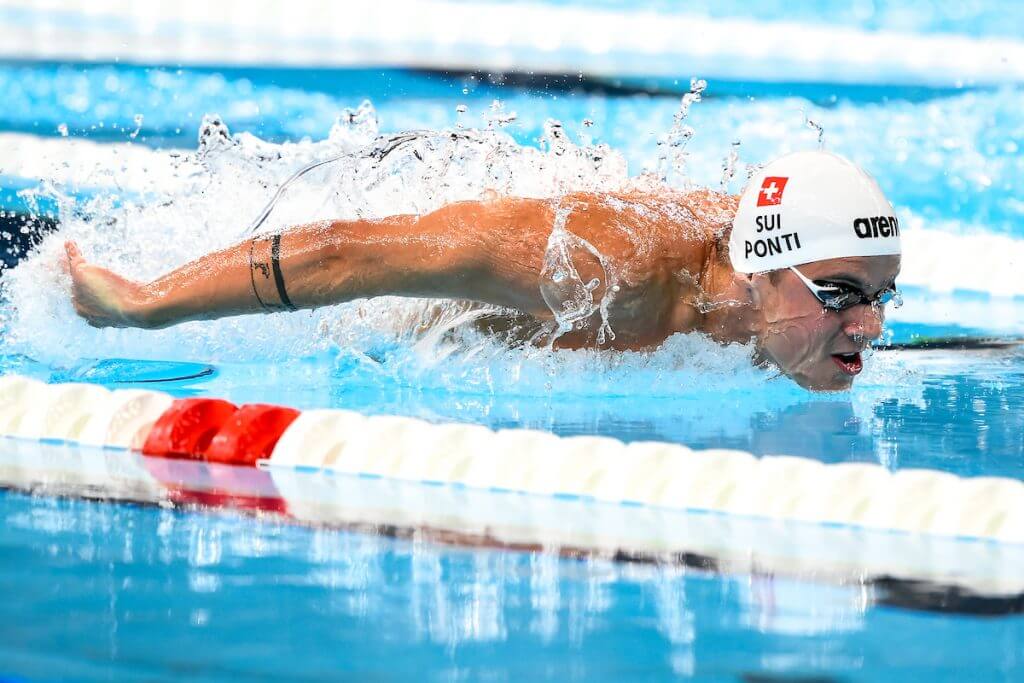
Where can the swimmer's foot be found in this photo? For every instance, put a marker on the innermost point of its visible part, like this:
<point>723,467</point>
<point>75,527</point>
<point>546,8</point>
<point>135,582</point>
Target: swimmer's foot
<point>850,363</point>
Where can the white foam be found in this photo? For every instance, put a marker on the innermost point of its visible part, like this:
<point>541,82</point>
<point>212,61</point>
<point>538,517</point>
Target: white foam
<point>126,168</point>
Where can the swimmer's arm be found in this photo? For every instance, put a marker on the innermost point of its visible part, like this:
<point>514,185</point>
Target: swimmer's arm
<point>484,251</point>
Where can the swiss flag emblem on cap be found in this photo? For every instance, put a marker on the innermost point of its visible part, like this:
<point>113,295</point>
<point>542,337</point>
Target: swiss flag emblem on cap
<point>771,191</point>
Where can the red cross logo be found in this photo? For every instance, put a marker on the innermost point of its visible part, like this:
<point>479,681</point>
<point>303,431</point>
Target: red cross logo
<point>771,191</point>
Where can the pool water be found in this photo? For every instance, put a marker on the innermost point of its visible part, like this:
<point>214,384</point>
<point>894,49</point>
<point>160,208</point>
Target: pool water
<point>108,591</point>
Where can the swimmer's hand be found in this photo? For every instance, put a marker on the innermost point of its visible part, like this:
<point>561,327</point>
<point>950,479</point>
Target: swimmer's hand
<point>102,297</point>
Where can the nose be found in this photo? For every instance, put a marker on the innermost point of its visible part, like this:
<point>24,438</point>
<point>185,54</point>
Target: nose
<point>864,323</point>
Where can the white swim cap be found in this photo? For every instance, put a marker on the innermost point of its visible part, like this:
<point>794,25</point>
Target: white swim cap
<point>810,206</point>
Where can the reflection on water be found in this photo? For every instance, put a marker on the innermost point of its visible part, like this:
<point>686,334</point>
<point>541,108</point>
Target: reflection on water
<point>100,591</point>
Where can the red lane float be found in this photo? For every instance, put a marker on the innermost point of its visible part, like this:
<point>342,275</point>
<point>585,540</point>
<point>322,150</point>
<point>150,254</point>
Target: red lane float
<point>186,429</point>
<point>250,434</point>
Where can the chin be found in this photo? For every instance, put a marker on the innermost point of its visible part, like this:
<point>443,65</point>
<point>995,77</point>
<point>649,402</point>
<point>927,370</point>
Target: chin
<point>825,381</point>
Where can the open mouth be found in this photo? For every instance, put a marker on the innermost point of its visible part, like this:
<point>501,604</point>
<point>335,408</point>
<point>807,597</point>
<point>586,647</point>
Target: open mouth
<point>850,363</point>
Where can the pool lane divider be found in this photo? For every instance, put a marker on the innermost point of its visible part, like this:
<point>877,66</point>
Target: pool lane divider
<point>258,440</point>
<point>249,434</point>
<point>187,427</point>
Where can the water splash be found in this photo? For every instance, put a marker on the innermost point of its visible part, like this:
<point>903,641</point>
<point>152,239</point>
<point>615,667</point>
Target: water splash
<point>198,202</point>
<point>729,165</point>
<point>496,116</point>
<point>187,204</point>
<point>673,154</point>
<point>554,138</point>
<point>573,301</point>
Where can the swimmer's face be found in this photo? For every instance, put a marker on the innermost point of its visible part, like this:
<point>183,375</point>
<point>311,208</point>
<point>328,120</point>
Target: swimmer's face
<point>821,349</point>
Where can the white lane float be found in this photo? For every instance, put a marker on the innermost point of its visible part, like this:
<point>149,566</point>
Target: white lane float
<point>636,476</point>
<point>123,420</point>
<point>378,446</point>
<point>703,480</point>
<point>59,411</point>
<point>82,413</point>
<point>625,43</point>
<point>509,459</point>
<point>17,395</point>
<point>842,493</point>
<point>446,454</point>
<point>316,438</point>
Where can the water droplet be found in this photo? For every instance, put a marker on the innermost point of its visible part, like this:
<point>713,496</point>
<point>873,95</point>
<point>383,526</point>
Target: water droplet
<point>496,115</point>
<point>63,130</point>
<point>729,165</point>
<point>138,126</point>
<point>554,137</point>
<point>817,127</point>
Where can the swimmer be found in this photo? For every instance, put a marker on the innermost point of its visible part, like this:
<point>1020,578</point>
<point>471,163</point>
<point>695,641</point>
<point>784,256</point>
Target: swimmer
<point>800,265</point>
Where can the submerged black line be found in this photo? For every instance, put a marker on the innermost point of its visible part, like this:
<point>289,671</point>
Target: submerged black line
<point>205,372</point>
<point>953,344</point>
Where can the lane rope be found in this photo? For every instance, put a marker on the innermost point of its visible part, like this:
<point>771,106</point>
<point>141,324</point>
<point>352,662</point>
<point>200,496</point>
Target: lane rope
<point>653,474</point>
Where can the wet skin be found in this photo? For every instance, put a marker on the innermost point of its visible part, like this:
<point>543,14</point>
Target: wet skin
<point>822,349</point>
<point>616,271</point>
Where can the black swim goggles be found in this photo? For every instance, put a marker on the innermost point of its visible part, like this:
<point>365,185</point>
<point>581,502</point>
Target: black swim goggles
<point>839,296</point>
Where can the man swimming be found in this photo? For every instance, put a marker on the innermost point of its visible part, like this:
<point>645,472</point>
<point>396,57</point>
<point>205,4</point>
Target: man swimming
<point>801,264</point>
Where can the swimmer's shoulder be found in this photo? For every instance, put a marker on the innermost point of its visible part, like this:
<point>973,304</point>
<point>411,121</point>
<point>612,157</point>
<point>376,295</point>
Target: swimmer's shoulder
<point>677,220</point>
<point>650,236</point>
<point>700,210</point>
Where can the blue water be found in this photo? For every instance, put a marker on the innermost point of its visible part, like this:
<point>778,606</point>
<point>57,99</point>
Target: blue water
<point>952,157</point>
<point>101,591</point>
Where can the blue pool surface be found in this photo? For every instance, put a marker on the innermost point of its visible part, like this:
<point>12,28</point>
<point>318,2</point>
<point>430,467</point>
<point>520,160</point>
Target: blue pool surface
<point>114,592</point>
<point>97,591</point>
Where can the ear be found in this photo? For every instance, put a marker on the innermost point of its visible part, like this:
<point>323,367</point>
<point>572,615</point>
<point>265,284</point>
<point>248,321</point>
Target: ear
<point>756,282</point>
